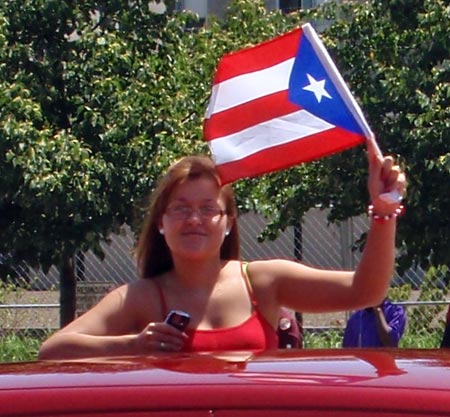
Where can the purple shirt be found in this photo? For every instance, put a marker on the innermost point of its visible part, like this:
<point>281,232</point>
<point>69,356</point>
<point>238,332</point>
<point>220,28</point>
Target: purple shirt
<point>361,330</point>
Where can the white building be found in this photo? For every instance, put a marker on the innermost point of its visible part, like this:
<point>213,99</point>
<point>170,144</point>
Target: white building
<point>217,7</point>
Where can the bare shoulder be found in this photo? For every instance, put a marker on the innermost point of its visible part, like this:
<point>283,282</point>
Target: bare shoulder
<point>139,285</point>
<point>141,291</point>
<point>121,293</point>
<point>135,304</point>
<point>131,298</point>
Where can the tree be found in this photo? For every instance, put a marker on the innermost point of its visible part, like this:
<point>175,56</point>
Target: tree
<point>98,97</point>
<point>90,106</point>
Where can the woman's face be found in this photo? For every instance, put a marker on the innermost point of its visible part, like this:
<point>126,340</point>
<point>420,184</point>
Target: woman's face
<point>195,222</point>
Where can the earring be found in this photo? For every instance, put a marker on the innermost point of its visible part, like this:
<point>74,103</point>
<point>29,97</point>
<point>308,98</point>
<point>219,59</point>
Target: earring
<point>161,231</point>
<point>227,233</point>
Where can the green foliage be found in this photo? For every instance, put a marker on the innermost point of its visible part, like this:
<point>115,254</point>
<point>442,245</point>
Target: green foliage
<point>94,106</point>
<point>429,291</point>
<point>91,111</point>
<point>418,340</point>
<point>98,97</point>
<point>411,339</point>
<point>14,348</point>
<point>400,293</point>
<point>331,339</point>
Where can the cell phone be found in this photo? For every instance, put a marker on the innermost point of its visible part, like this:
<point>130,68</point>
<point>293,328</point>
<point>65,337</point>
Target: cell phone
<point>178,319</point>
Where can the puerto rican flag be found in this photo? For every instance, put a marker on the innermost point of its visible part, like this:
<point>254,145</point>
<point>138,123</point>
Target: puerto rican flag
<point>277,104</point>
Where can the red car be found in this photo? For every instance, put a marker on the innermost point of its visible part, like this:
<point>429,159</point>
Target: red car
<point>284,383</point>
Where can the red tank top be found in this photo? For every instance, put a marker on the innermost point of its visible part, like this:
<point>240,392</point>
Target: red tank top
<point>255,333</point>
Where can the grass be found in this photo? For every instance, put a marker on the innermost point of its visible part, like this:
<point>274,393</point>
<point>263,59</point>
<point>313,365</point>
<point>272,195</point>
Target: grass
<point>14,348</point>
<point>19,348</point>
<point>329,340</point>
<point>333,339</point>
<point>429,341</point>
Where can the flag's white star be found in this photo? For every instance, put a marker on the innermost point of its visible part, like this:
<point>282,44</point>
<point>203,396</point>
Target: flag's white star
<point>317,87</point>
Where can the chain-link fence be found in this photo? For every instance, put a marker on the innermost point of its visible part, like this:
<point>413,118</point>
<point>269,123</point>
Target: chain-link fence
<point>29,299</point>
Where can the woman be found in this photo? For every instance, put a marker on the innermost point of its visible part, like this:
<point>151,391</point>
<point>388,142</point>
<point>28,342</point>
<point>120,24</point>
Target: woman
<point>188,258</point>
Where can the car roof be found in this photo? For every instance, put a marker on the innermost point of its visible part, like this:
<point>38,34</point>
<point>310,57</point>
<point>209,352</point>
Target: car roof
<point>393,380</point>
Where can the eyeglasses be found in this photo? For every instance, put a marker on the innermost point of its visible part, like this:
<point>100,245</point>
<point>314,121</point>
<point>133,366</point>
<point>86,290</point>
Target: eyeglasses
<point>182,212</point>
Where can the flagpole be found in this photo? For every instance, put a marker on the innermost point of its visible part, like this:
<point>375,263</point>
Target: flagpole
<point>375,146</point>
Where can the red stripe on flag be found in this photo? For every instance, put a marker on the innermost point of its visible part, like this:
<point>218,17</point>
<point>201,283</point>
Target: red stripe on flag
<point>258,57</point>
<point>248,114</point>
<point>286,155</point>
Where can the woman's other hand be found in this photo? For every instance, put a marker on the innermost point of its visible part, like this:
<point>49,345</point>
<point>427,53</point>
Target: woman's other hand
<point>161,337</point>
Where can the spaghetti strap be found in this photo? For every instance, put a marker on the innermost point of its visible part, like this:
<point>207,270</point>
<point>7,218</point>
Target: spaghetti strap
<point>248,284</point>
<point>162,299</point>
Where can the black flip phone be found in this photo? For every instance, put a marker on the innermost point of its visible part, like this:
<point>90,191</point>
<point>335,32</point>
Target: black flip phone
<point>178,319</point>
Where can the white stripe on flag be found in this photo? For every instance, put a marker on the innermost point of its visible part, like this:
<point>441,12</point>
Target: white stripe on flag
<point>266,135</point>
<point>250,86</point>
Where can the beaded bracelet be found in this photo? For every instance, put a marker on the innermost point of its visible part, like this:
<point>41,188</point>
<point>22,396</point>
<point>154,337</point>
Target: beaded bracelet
<point>382,219</point>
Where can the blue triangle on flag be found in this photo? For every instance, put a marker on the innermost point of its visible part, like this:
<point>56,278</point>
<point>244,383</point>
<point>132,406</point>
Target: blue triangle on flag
<point>311,88</point>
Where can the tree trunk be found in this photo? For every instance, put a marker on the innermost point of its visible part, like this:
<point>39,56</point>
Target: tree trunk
<point>298,242</point>
<point>67,292</point>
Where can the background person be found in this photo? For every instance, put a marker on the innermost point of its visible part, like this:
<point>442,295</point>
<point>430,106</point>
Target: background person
<point>290,330</point>
<point>380,326</point>
<point>188,259</point>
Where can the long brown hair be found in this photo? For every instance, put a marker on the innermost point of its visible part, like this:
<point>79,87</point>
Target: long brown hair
<point>152,253</point>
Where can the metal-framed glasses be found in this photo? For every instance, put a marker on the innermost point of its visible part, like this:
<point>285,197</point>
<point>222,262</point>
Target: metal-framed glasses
<point>184,212</point>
